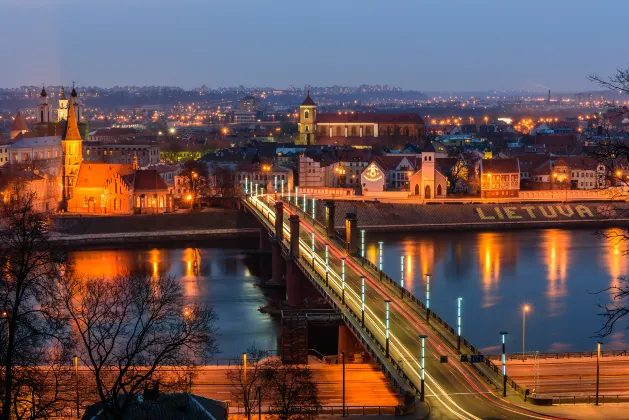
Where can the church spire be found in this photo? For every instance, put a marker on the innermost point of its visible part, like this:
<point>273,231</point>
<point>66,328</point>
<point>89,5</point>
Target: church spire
<point>72,128</point>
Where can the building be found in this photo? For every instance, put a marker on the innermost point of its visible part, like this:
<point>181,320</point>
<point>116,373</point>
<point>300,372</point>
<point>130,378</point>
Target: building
<point>249,104</point>
<point>44,123</point>
<point>428,181</point>
<point>147,154</point>
<point>18,126</point>
<point>499,178</point>
<point>356,128</point>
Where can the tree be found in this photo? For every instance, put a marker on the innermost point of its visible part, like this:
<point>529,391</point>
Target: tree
<point>33,333</point>
<point>245,380</point>
<point>130,328</point>
<point>195,174</point>
<point>293,391</point>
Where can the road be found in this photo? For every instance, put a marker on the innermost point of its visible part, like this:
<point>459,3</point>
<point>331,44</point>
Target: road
<point>453,389</point>
<point>569,377</point>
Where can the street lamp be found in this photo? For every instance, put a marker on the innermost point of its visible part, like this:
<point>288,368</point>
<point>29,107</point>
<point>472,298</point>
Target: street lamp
<point>598,371</point>
<point>246,185</point>
<point>343,280</point>
<point>327,263</point>
<point>504,365</point>
<point>259,402</point>
<point>402,277</point>
<point>458,322</point>
<point>282,184</point>
<point>244,365</point>
<point>313,250</point>
<point>362,299</point>
<point>428,298</point>
<point>76,376</point>
<point>305,204</point>
<point>274,183</point>
<point>386,325</point>
<point>362,243</point>
<point>422,366</point>
<point>380,258</point>
<point>525,309</point>
<point>314,206</point>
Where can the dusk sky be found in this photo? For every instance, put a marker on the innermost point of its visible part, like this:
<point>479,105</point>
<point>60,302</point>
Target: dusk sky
<point>414,44</point>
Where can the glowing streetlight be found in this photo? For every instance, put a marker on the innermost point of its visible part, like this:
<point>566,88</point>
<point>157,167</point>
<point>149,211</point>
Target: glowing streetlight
<point>427,297</point>
<point>422,366</point>
<point>314,206</point>
<point>458,322</point>
<point>343,280</point>
<point>327,263</point>
<point>313,250</point>
<point>274,183</point>
<point>246,185</point>
<point>598,371</point>
<point>362,299</point>
<point>525,309</point>
<point>380,258</point>
<point>282,183</point>
<point>504,365</point>
<point>305,204</point>
<point>386,325</point>
<point>362,243</point>
<point>76,377</point>
<point>244,366</point>
<point>402,277</point>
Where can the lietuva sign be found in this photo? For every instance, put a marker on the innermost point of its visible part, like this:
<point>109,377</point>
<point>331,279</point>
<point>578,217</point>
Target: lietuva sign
<point>546,212</point>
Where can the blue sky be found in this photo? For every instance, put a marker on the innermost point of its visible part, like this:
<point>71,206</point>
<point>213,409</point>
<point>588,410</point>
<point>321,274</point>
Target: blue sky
<point>415,44</point>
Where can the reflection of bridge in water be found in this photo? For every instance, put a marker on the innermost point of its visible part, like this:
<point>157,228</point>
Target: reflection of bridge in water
<point>384,317</point>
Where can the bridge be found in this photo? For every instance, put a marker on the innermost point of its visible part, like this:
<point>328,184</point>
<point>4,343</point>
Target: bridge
<point>417,350</point>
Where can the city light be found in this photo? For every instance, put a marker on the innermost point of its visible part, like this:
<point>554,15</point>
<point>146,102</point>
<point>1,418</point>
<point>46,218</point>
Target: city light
<point>422,365</point>
<point>504,365</point>
<point>362,243</point>
<point>458,322</point>
<point>380,255</point>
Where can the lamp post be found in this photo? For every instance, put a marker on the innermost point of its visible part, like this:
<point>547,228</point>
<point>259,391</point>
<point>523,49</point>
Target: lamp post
<point>402,277</point>
<point>422,366</point>
<point>380,258</point>
<point>305,204</point>
<point>362,299</point>
<point>504,365</point>
<point>327,263</point>
<point>244,366</point>
<point>525,309</point>
<point>362,243</point>
<point>274,183</point>
<point>282,185</point>
<point>259,402</point>
<point>246,185</point>
<point>256,190</point>
<point>314,206</point>
<point>343,280</point>
<point>76,377</point>
<point>458,323</point>
<point>598,371</point>
<point>386,326</point>
<point>313,250</point>
<point>343,362</point>
<point>428,298</point>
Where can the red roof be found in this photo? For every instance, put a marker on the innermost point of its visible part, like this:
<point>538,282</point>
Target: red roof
<point>370,117</point>
<point>148,180</point>
<point>19,124</point>
<point>390,162</point>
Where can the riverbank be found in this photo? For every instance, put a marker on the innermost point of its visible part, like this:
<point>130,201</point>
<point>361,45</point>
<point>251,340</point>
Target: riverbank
<point>386,217</point>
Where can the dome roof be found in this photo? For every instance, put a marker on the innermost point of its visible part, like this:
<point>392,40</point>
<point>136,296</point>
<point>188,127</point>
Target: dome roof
<point>308,101</point>
<point>19,123</point>
<point>74,94</point>
<point>43,93</point>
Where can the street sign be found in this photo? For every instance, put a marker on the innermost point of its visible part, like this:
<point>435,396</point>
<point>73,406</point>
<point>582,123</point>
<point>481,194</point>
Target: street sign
<point>477,358</point>
<point>443,359</point>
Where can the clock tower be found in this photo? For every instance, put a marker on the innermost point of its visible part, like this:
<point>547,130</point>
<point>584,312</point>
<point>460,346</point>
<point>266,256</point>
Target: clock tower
<point>307,121</point>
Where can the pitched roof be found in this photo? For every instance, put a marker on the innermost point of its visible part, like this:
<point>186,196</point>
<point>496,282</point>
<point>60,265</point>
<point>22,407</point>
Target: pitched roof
<point>37,142</point>
<point>428,147</point>
<point>500,166</point>
<point>308,101</point>
<point>96,174</point>
<point>391,162</point>
<point>72,128</point>
<point>148,180</point>
<point>371,117</point>
<point>19,123</point>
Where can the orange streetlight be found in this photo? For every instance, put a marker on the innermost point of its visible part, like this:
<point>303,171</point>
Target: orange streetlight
<point>525,309</point>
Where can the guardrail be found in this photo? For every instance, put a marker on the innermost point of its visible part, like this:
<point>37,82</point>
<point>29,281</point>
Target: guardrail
<point>567,355</point>
<point>589,399</point>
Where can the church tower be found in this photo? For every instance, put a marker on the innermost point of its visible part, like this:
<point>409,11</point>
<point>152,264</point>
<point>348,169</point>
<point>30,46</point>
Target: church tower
<point>428,171</point>
<point>72,152</point>
<point>62,112</point>
<point>43,126</point>
<point>307,121</point>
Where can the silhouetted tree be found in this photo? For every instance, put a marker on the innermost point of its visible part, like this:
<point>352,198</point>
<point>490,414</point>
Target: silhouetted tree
<point>245,381</point>
<point>293,391</point>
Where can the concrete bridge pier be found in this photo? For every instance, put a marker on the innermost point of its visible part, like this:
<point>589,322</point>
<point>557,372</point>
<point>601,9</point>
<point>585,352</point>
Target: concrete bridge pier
<point>278,267</point>
<point>292,271</point>
<point>347,342</point>
<point>329,218</point>
<point>351,233</point>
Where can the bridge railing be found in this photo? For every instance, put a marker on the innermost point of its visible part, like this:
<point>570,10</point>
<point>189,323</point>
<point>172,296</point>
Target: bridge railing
<point>566,355</point>
<point>330,410</point>
<point>589,399</point>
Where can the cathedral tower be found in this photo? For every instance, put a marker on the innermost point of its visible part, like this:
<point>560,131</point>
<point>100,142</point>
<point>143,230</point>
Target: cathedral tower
<point>62,112</point>
<point>307,121</point>
<point>72,152</point>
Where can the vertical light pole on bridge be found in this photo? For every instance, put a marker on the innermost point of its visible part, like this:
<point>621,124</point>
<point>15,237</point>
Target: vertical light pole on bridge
<point>327,263</point>
<point>305,204</point>
<point>282,185</point>
<point>343,280</point>
<point>458,322</point>
<point>246,185</point>
<point>313,250</point>
<point>363,252</point>
<point>428,298</point>
<point>274,184</point>
<point>504,364</point>
<point>314,206</point>
<point>598,371</point>
<point>422,366</point>
<point>362,299</point>
<point>380,258</point>
<point>386,326</point>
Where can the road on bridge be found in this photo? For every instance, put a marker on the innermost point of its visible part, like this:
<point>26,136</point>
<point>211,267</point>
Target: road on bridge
<point>453,389</point>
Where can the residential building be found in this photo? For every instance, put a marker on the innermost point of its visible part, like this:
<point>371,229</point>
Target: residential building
<point>499,177</point>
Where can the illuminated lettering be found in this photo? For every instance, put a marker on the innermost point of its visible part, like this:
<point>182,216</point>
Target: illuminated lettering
<point>529,210</point>
<point>510,212</point>
<point>499,213</point>
<point>372,173</point>
<point>583,211</point>
<point>551,212</point>
<point>565,210</point>
<point>483,216</point>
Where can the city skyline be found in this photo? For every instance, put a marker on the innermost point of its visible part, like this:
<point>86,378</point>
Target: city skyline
<point>462,47</point>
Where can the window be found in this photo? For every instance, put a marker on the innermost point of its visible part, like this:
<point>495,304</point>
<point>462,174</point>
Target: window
<point>103,202</point>
<point>306,115</point>
<point>85,201</point>
<point>87,152</point>
<point>138,203</point>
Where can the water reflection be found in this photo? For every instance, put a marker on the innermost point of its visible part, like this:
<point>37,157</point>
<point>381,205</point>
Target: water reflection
<point>489,255</point>
<point>556,244</point>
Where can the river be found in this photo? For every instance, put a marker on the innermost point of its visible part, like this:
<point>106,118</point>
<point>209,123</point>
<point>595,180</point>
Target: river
<point>556,272</point>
